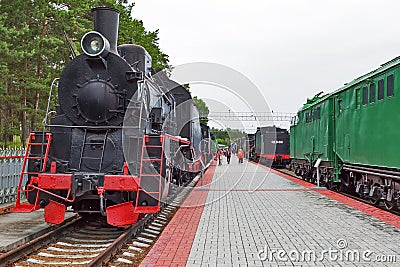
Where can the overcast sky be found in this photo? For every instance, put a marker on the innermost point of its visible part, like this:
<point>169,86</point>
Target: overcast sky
<point>290,49</point>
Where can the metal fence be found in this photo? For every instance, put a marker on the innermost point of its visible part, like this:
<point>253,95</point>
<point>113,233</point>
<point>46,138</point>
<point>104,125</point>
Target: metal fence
<point>10,169</point>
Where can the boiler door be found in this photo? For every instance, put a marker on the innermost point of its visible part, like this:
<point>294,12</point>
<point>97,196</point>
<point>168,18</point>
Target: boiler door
<point>97,101</point>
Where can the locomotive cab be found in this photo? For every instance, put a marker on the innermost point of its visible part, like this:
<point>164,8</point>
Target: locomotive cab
<point>137,57</point>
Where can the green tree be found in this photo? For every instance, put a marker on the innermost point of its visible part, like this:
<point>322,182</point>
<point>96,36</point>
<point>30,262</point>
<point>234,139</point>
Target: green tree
<point>228,135</point>
<point>8,98</point>
<point>202,108</point>
<point>33,52</point>
<point>134,29</point>
<point>34,31</point>
<point>222,141</point>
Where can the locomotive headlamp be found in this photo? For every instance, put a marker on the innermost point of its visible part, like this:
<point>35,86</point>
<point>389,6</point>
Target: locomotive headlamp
<point>94,44</point>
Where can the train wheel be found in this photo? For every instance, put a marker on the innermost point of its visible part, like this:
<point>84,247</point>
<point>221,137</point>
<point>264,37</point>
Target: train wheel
<point>301,173</point>
<point>375,195</point>
<point>351,189</point>
<point>331,185</point>
<point>314,177</point>
<point>328,184</point>
<point>343,188</point>
<point>322,180</point>
<point>390,205</point>
<point>374,200</point>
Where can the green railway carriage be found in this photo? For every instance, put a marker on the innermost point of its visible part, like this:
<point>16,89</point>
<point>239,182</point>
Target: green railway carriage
<point>311,134</point>
<point>355,131</point>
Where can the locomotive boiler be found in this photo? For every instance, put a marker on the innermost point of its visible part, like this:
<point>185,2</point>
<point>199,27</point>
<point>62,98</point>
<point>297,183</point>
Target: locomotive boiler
<point>122,137</point>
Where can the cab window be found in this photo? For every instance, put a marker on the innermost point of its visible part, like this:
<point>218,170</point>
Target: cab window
<point>372,93</point>
<point>390,86</point>
<point>381,89</point>
<point>365,95</point>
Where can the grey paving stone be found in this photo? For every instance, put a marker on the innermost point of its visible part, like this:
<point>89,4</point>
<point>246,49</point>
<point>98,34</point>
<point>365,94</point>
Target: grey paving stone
<point>243,215</point>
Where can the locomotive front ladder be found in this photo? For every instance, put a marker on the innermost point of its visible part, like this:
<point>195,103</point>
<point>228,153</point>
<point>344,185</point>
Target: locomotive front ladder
<point>100,142</point>
<point>45,147</point>
<point>151,168</point>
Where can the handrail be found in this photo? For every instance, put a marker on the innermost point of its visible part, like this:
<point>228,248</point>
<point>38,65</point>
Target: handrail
<point>48,102</point>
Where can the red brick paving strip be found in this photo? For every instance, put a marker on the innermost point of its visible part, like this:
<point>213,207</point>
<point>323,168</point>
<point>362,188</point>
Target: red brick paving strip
<point>375,212</point>
<point>6,209</point>
<point>173,246</point>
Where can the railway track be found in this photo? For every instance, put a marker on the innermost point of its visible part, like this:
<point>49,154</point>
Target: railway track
<point>83,243</point>
<point>380,206</point>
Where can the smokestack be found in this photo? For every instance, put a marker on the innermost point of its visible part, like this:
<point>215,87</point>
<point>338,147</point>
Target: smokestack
<point>106,21</point>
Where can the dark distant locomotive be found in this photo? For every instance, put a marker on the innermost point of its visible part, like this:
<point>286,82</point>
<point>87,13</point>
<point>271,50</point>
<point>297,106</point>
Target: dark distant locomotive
<point>272,146</point>
<point>268,145</point>
<point>250,139</point>
<point>206,144</point>
<point>122,136</point>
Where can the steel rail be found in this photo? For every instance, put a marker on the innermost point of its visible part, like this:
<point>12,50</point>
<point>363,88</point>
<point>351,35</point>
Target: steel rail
<point>14,255</point>
<point>107,255</point>
<point>8,258</point>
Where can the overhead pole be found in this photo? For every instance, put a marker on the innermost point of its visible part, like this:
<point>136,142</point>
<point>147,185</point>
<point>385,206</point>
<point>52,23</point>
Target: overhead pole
<point>251,116</point>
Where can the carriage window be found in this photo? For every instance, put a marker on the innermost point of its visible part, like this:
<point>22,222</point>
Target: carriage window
<point>390,85</point>
<point>381,89</point>
<point>340,106</point>
<point>319,112</point>
<point>372,93</point>
<point>365,95</point>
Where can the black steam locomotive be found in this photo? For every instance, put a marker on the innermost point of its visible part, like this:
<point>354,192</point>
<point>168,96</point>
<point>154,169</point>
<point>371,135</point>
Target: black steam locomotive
<point>272,146</point>
<point>123,135</point>
<point>269,146</point>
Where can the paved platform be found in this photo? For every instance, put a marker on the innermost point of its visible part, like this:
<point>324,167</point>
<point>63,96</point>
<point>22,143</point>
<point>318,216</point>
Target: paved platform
<point>19,228</point>
<point>253,217</point>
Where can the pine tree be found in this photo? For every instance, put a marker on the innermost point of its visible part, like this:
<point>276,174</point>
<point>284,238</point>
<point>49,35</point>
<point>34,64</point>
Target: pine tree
<point>33,52</point>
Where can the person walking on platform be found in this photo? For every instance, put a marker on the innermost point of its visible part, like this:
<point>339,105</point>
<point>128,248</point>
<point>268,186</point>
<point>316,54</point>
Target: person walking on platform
<point>240,155</point>
<point>228,155</point>
<point>219,155</point>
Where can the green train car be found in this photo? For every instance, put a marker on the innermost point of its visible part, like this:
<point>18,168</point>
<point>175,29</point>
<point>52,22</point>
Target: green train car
<point>355,131</point>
